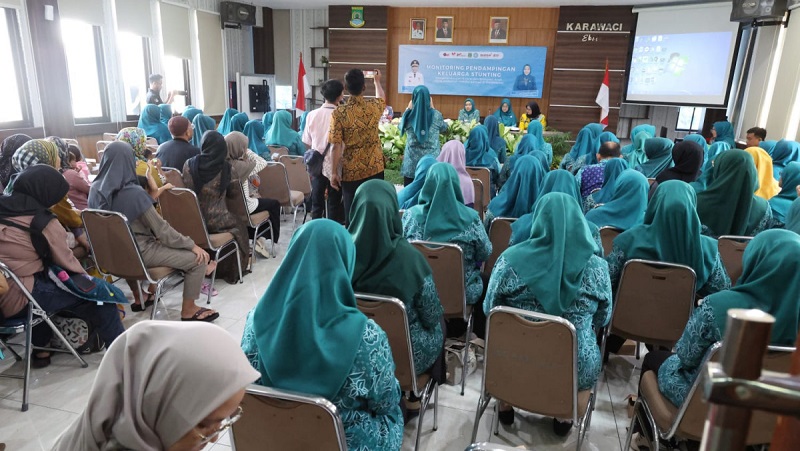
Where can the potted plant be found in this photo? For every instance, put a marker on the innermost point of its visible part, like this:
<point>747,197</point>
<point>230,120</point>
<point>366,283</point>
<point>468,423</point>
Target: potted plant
<point>323,60</point>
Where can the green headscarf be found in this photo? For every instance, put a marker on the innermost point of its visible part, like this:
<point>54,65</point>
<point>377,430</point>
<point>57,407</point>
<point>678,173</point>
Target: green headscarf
<point>725,134</point>
<point>281,132</point>
<point>509,119</point>
<point>409,196</point>
<point>783,152</point>
<point>191,112</point>
<point>790,178</point>
<point>768,282</point>
<point>793,217</point>
<point>725,206</point>
<point>648,129</point>
<point>521,191</point>
<point>202,124</point>
<point>707,171</point>
<point>166,113</point>
<point>385,262</point>
<point>238,121</point>
<point>671,232</point>
<point>267,121</point>
<point>441,211</point>
<point>527,146</point>
<point>469,116</point>
<point>768,145</point>
<point>419,118</point>
<point>552,261</point>
<point>225,124</point>
<point>302,126</point>
<point>613,169</point>
<point>477,150</point>
<point>587,143</point>
<point>659,156</point>
<point>694,137</point>
<point>636,155</point>
<point>150,122</point>
<point>536,130</point>
<point>558,181</point>
<point>254,130</point>
<point>626,208</point>
<point>307,326</point>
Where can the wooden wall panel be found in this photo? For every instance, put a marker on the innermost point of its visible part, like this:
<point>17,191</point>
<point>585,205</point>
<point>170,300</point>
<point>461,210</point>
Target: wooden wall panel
<point>374,16</point>
<point>575,87</point>
<point>358,45</point>
<point>527,27</point>
<point>573,119</point>
<point>364,48</point>
<point>264,45</point>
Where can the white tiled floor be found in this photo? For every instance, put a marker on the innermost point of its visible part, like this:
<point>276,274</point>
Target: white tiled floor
<point>59,392</point>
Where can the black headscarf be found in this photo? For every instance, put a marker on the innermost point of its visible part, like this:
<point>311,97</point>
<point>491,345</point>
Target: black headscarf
<point>116,187</point>
<point>210,162</point>
<point>688,158</point>
<point>7,149</point>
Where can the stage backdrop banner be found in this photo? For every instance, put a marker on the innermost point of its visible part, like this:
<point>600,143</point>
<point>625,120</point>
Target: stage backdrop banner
<point>490,71</point>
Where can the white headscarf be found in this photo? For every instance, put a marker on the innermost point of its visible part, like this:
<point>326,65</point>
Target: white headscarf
<point>157,381</point>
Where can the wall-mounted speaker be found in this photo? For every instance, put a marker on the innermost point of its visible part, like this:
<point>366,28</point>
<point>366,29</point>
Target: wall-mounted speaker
<point>237,13</point>
<point>793,4</point>
<point>750,10</point>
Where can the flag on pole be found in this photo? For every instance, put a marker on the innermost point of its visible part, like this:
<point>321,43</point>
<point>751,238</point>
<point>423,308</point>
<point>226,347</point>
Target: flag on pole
<point>602,99</point>
<point>303,88</point>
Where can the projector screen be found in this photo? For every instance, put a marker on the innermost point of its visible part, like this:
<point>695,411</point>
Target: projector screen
<point>683,55</point>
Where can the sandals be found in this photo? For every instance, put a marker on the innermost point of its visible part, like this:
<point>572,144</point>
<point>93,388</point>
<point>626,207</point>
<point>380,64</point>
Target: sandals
<point>196,316</point>
<point>148,302</point>
<point>205,289</point>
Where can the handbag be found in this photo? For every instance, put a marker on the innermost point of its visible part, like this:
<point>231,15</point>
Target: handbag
<point>314,160</point>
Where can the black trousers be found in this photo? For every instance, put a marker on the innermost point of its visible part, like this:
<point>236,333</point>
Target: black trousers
<point>319,186</point>
<point>274,209</point>
<point>349,191</point>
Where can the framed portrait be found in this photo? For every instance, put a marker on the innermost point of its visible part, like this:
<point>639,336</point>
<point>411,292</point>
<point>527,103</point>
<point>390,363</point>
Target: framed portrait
<point>417,32</point>
<point>498,30</point>
<point>444,29</point>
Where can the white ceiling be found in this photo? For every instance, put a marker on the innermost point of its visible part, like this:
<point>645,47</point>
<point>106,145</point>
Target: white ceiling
<point>314,4</point>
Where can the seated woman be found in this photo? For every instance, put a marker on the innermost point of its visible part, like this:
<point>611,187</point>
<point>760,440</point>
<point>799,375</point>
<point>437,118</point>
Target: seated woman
<point>671,233</point>
<point>478,153</point>
<point>532,113</point>
<point>526,146</point>
<point>282,134</point>
<point>341,355</point>
<point>497,143</point>
<point>453,153</point>
<point>637,145</point>
<point>150,123</point>
<point>166,113</point>
<point>612,170</point>
<point>210,175</point>
<point>267,119</point>
<point>728,206</point>
<point>136,138</point>
<point>387,265</point>
<point>783,152</point>
<point>7,149</point>
<point>29,233</point>
<point>421,123</point>
<point>201,124</point>
<point>770,264</point>
<point>767,186</point>
<point>520,193</point>
<point>155,391</point>
<point>626,208</point>
<point>793,216</point>
<point>722,131</point>
<point>224,126</point>
<point>584,152</point>
<point>607,136</point>
<point>469,113</point>
<point>536,129</point>
<point>659,157</point>
<point>505,115</point>
<point>409,196</point>
<point>190,112</point>
<point>780,204</point>
<point>557,272</point>
<point>687,157</point>
<point>254,131</point>
<point>238,122</point>
<point>117,189</point>
<point>78,186</point>
<point>705,178</point>
<point>558,181</point>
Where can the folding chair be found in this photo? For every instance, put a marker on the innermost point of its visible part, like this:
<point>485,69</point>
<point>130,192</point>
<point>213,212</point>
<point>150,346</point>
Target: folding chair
<point>116,253</point>
<point>278,419</point>
<point>275,185</point>
<point>478,204</point>
<point>607,235</point>
<point>181,210</point>
<point>485,176</point>
<point>100,147</point>
<point>447,263</point>
<point>280,150</point>
<point>390,314</point>
<point>731,250</point>
<point>499,235</point>
<point>151,142</point>
<point>237,204</point>
<point>109,136</point>
<point>490,447</point>
<point>35,315</point>
<point>174,176</point>
<point>517,342</point>
<point>298,177</point>
<point>687,420</point>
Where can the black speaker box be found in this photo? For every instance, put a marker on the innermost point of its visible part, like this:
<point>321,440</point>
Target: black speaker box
<point>749,10</point>
<point>237,13</point>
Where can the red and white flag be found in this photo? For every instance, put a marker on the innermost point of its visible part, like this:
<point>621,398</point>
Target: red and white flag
<point>602,99</point>
<point>303,88</point>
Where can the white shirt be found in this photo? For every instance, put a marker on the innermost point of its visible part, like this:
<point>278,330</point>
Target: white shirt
<point>261,163</point>
<point>318,124</point>
<point>417,34</point>
<point>414,79</point>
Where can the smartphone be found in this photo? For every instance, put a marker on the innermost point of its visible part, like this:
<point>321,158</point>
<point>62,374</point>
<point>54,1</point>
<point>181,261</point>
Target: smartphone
<point>83,282</point>
<point>369,74</point>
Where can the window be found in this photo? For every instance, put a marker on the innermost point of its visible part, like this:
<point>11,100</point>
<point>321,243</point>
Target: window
<point>14,109</point>
<point>690,119</point>
<point>135,59</point>
<point>83,48</point>
<point>176,78</point>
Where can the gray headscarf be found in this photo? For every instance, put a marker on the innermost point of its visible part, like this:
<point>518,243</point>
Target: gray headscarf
<point>153,386</point>
<point>116,187</point>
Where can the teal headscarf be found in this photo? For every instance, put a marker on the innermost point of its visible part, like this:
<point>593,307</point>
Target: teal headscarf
<point>509,119</point>
<point>202,124</point>
<point>254,130</point>
<point>587,144</point>
<point>659,156</point>
<point>648,129</point>
<point>784,152</point>
<point>671,232</point>
<point>536,130</point>
<point>613,169</point>
<point>307,326</point>
<point>408,196</point>
<point>558,181</point>
<point>477,149</point>
<point>150,122</point>
<point>768,145</point>
<point>725,134</point>
<point>497,143</point>
<point>793,217</point>
<point>636,155</point>
<point>191,112</point>
<point>238,121</point>
<point>267,121</point>
<point>626,209</point>
<point>527,147</point>
<point>469,116</point>
<point>441,211</point>
<point>707,171</point>
<point>608,137</point>
<point>521,191</point>
<point>225,123</point>
<point>780,203</point>
<point>768,282</point>
<point>552,261</point>
<point>281,132</point>
<point>419,118</point>
<point>166,113</point>
<point>726,206</point>
<point>302,122</point>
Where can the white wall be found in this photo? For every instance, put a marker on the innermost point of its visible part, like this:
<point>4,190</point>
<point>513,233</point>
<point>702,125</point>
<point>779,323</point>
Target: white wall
<point>303,38</point>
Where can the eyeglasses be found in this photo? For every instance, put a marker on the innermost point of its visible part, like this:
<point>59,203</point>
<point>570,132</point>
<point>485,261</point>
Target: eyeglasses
<point>224,425</point>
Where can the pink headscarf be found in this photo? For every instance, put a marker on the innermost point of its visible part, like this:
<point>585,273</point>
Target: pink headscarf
<point>453,153</point>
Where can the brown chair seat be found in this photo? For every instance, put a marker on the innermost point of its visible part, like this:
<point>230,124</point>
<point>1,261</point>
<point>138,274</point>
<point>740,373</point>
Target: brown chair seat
<point>160,272</point>
<point>259,217</point>
<point>220,239</point>
<point>297,197</point>
<point>664,412</point>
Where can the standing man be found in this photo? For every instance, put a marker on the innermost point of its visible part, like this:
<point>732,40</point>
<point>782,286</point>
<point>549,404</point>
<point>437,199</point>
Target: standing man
<point>315,136</point>
<point>357,150</point>
<point>154,94</point>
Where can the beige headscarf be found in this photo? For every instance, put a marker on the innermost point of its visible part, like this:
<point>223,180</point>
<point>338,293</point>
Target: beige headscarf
<point>237,154</point>
<point>156,382</point>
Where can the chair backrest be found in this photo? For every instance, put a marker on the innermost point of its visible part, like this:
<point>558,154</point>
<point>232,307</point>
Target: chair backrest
<point>485,176</point>
<point>607,235</point>
<point>447,263</point>
<point>277,419</point>
<point>113,247</point>
<point>174,176</point>
<point>280,150</point>
<point>390,314</point>
<point>297,173</point>
<point>478,204</point>
<point>101,145</point>
<point>109,136</point>
<point>519,351</point>
<point>275,183</point>
<point>499,235</point>
<point>151,142</point>
<point>731,251</point>
<point>180,208</point>
<point>654,302</point>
